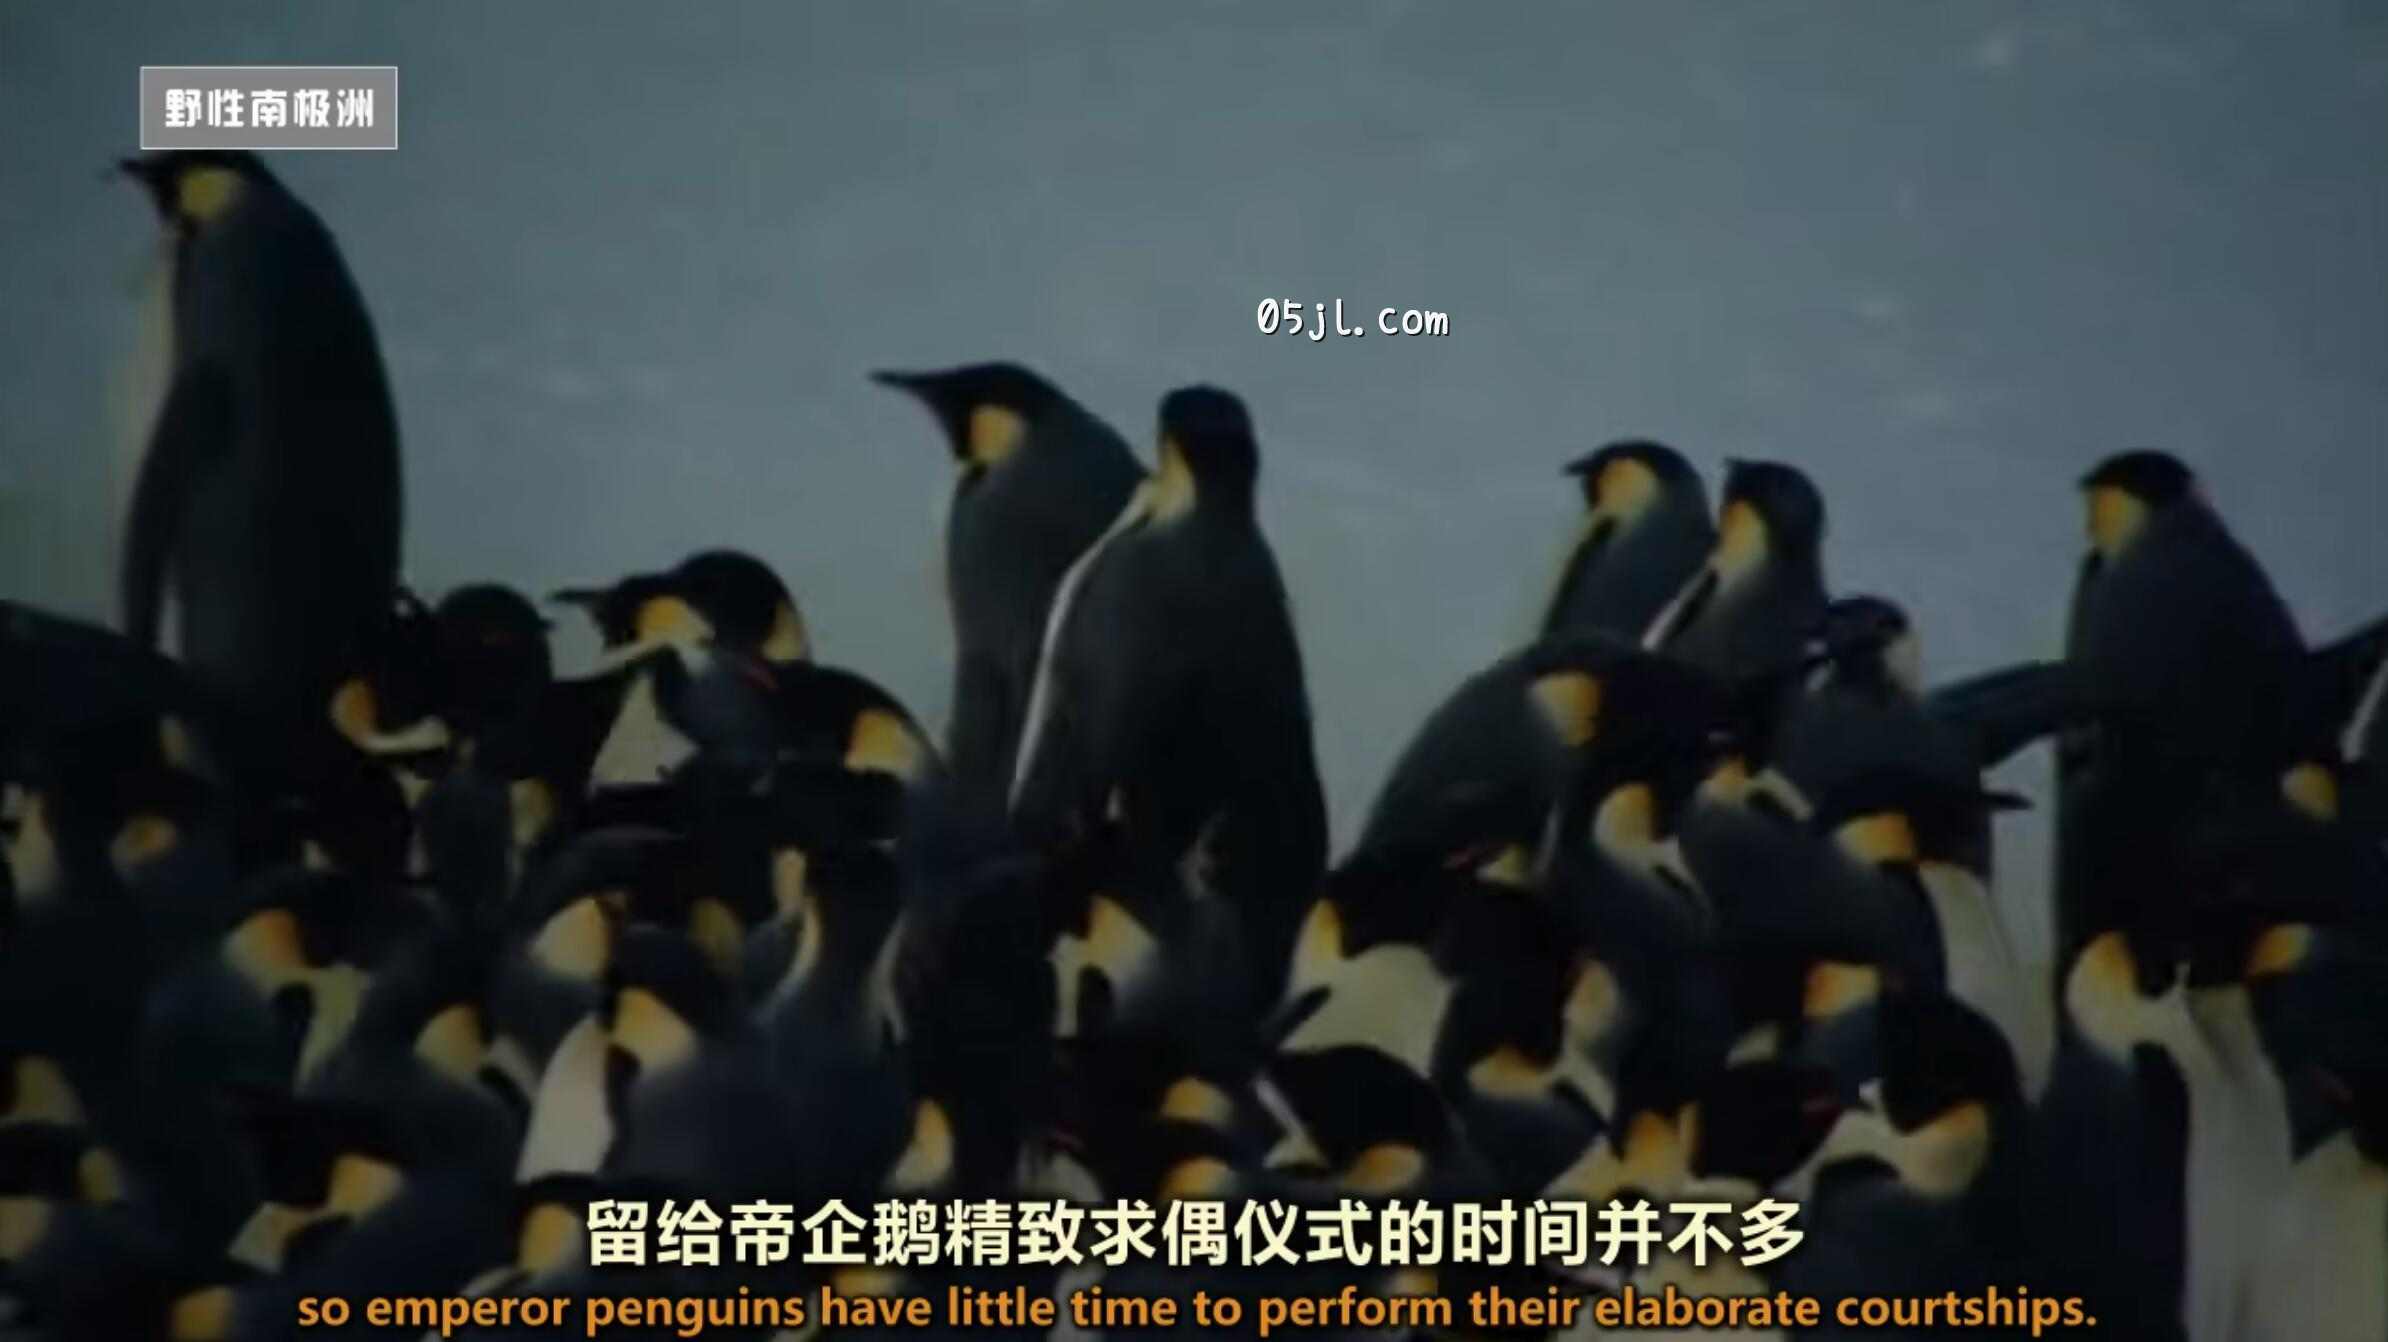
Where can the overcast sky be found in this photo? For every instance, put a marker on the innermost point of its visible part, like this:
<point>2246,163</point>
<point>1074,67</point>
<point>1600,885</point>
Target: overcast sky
<point>632,263</point>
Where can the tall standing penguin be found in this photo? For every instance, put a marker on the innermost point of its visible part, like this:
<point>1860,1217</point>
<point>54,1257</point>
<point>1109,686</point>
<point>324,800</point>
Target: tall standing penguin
<point>1038,479</point>
<point>1170,700</point>
<point>266,516</point>
<point>2183,647</point>
<point>1747,614</point>
<point>1645,531</point>
<point>2189,666</point>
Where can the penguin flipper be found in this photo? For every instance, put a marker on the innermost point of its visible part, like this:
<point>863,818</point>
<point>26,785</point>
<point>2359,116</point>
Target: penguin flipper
<point>2338,674</point>
<point>2000,712</point>
<point>193,426</point>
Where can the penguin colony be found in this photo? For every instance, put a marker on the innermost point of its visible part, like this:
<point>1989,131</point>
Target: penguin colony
<point>354,950</point>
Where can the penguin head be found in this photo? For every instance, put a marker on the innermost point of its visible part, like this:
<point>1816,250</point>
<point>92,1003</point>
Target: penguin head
<point>664,1002</point>
<point>390,703</point>
<point>192,188</point>
<point>1758,1121</point>
<point>1868,641</point>
<point>493,650</point>
<point>986,409</point>
<point>308,949</point>
<point>1207,434</point>
<point>1939,1054</point>
<point>1624,479</point>
<point>745,603</point>
<point>2125,490</point>
<point>322,1168</point>
<point>1356,1118</point>
<point>641,611</point>
<point>1770,510</point>
<point>1888,817</point>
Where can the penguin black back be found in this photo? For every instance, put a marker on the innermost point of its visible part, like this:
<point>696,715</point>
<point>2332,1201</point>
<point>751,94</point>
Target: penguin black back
<point>266,516</point>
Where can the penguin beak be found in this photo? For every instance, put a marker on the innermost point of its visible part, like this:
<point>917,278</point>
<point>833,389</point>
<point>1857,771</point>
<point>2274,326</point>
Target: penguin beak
<point>155,173</point>
<point>927,386</point>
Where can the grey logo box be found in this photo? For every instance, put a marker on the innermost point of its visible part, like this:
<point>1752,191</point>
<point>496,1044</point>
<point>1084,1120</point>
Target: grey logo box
<point>269,107</point>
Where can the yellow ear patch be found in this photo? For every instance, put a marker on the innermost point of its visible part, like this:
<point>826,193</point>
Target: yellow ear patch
<point>1114,944</point>
<point>531,808</point>
<point>882,742</point>
<point>1625,488</point>
<point>1627,818</point>
<point>993,434</point>
<point>788,870</point>
<point>1728,782</point>
<point>1655,1156</point>
<point>1570,703</point>
<point>1741,540</point>
<point>43,1095</point>
<point>202,1316</point>
<point>33,849</point>
<point>265,949</point>
<point>175,745</point>
<point>1886,836</point>
<point>98,1178</point>
<point>787,642</point>
<point>717,932</point>
<point>1190,1099</point>
<point>1387,1167</point>
<point>2115,519</point>
<point>1318,949</point>
<point>929,1158</point>
<point>668,619</point>
<point>451,1042</point>
<point>549,1233</point>
<point>203,193</point>
<point>1510,867</point>
<point>355,711</point>
<point>336,994</point>
<point>361,1184</point>
<point>2107,968</point>
<point>1593,1002</point>
<point>871,1282</point>
<point>2313,790</point>
<point>141,840</point>
<point>2280,950</point>
<point>576,942</point>
<point>24,1223</point>
<point>1650,1156</point>
<point>1508,1074</point>
<point>649,1030</point>
<point>1834,988</point>
<point>1204,1177</point>
<point>1172,484</point>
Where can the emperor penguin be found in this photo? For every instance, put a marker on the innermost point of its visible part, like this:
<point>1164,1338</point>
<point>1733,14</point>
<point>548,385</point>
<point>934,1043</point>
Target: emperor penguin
<point>1038,477</point>
<point>2322,1269</point>
<point>1169,696</point>
<point>1645,531</point>
<point>2177,634</point>
<point>1746,614</point>
<point>2189,666</point>
<point>265,520</point>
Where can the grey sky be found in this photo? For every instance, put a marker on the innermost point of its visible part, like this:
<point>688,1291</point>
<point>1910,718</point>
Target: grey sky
<point>633,261</point>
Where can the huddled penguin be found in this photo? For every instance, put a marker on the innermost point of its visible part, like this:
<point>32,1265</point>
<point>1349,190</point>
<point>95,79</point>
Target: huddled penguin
<point>1170,694</point>
<point>2322,1268</point>
<point>1645,532</point>
<point>1747,613</point>
<point>365,957</point>
<point>264,530</point>
<point>1038,478</point>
